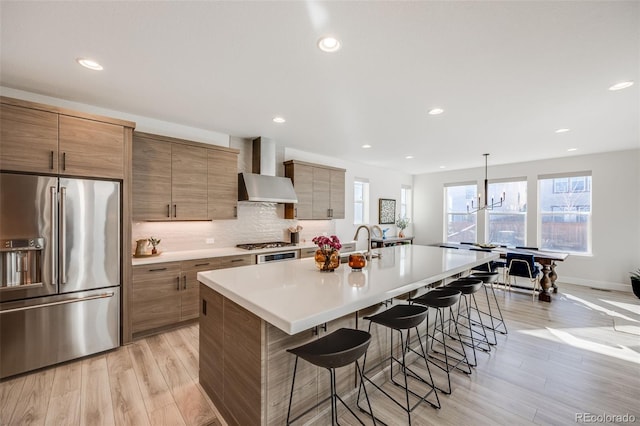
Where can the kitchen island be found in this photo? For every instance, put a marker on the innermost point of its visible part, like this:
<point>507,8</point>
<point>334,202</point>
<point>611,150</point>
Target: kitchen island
<point>251,315</point>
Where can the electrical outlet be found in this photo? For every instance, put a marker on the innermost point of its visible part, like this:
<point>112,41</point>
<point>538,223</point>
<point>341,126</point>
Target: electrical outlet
<point>210,240</point>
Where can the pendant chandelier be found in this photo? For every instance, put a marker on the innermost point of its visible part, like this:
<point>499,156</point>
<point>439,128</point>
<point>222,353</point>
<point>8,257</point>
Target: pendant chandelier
<point>487,205</point>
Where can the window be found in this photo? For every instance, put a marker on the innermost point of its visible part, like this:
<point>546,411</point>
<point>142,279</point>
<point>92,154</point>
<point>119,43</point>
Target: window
<point>565,212</point>
<point>360,201</point>
<point>571,184</point>
<point>460,225</point>
<point>405,201</point>
<point>507,224</point>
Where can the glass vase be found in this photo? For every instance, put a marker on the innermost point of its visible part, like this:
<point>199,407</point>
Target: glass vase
<point>327,261</point>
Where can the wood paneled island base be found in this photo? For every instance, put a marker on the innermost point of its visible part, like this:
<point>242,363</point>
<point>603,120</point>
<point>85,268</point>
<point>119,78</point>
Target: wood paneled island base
<point>246,371</point>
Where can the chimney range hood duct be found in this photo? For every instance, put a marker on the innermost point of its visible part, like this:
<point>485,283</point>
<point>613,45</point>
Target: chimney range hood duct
<point>262,185</point>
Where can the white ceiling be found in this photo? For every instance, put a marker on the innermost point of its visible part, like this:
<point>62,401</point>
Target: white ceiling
<point>508,74</point>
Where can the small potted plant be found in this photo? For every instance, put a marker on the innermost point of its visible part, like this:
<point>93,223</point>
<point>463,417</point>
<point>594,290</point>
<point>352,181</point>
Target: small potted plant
<point>327,256</point>
<point>154,242</point>
<point>402,223</point>
<point>635,282</point>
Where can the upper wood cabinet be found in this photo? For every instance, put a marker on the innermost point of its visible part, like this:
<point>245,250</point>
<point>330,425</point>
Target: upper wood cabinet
<point>188,182</point>
<point>223,184</point>
<point>320,190</point>
<point>174,179</point>
<point>90,148</point>
<point>43,139</point>
<point>302,178</point>
<point>29,140</point>
<point>151,179</point>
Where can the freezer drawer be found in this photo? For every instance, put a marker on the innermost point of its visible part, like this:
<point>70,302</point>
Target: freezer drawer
<point>57,329</point>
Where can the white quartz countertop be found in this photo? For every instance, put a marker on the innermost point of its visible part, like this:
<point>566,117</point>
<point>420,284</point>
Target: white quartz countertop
<point>295,296</point>
<point>178,256</point>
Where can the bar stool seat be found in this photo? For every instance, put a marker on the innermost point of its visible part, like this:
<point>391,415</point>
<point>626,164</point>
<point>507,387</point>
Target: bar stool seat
<point>440,299</point>
<point>403,318</point>
<point>340,348</point>
<point>494,314</point>
<point>335,350</point>
<point>400,317</point>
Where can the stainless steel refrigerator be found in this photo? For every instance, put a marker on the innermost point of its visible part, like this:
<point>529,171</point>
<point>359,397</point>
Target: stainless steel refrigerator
<point>60,269</point>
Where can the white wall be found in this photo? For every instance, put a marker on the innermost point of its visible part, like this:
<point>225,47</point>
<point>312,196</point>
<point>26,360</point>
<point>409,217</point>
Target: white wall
<point>615,212</point>
<point>383,183</point>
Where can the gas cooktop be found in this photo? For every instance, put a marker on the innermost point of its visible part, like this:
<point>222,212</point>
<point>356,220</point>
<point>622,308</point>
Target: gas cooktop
<point>256,246</point>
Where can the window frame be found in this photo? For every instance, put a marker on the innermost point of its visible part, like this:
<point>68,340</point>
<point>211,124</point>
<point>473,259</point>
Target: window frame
<point>581,212</point>
<point>365,202</point>
<point>406,201</point>
<point>471,193</point>
<point>520,180</point>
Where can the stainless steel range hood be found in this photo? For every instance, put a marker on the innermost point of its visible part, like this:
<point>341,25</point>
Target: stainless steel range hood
<point>262,185</point>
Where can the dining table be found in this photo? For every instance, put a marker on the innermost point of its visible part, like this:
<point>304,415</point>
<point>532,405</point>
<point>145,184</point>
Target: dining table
<point>547,259</point>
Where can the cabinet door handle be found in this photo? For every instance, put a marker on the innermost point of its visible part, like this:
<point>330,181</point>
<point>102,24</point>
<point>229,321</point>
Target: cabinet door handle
<point>235,211</point>
<point>51,161</point>
<point>184,280</point>
<point>295,212</point>
<point>175,210</point>
<point>201,264</point>
<point>178,283</point>
<point>204,307</point>
<point>64,161</point>
<point>237,260</point>
<point>168,210</point>
<point>157,269</point>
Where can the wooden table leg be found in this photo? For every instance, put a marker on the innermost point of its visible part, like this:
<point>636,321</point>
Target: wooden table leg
<point>545,281</point>
<point>553,276</point>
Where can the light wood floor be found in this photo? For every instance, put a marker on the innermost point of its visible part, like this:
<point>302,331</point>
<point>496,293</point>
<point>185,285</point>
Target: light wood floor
<point>578,354</point>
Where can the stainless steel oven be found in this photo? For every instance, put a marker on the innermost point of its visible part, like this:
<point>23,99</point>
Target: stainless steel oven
<point>277,256</point>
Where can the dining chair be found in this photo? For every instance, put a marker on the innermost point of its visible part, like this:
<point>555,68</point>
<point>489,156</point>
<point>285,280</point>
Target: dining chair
<point>523,265</point>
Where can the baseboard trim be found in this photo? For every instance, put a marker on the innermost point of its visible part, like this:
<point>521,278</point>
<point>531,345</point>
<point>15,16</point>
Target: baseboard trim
<point>604,285</point>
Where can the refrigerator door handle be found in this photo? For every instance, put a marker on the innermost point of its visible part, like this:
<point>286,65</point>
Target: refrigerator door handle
<point>63,236</point>
<point>52,238</point>
<point>61,302</point>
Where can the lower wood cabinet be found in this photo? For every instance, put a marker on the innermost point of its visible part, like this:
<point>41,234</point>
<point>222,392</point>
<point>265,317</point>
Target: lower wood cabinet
<point>156,301</point>
<point>168,293</point>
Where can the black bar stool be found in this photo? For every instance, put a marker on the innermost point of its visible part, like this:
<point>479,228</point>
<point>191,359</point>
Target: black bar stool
<point>440,299</point>
<point>403,318</point>
<point>495,315</point>
<point>338,349</point>
<point>476,338</point>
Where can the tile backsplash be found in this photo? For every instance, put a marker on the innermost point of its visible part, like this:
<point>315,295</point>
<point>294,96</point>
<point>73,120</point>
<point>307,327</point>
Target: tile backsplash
<point>257,222</point>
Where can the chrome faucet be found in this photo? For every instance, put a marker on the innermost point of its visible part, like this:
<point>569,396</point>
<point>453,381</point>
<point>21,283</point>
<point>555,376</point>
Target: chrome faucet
<point>368,228</point>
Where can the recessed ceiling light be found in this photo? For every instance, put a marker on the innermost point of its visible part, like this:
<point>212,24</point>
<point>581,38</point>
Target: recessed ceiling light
<point>409,157</point>
<point>436,111</point>
<point>572,149</point>
<point>329,44</point>
<point>562,130</point>
<point>279,120</point>
<point>366,146</point>
<point>443,167</point>
<point>89,63</point>
<point>621,85</point>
